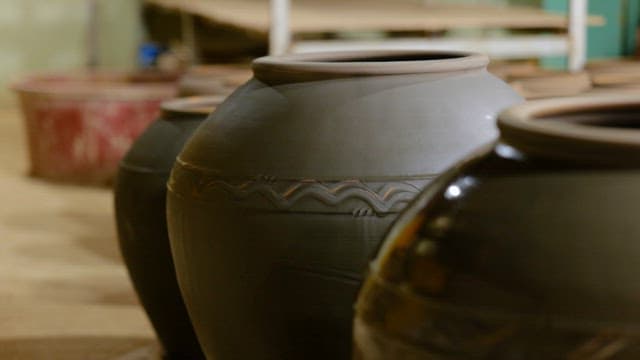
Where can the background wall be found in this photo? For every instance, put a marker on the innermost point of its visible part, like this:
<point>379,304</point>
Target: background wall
<point>617,36</point>
<point>52,34</point>
<point>48,35</point>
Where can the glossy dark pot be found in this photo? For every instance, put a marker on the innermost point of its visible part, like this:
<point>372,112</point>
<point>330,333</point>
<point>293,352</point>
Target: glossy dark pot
<point>277,202</point>
<point>527,250</point>
<point>140,197</point>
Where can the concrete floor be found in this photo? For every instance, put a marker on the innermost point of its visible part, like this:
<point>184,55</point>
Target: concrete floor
<point>64,292</point>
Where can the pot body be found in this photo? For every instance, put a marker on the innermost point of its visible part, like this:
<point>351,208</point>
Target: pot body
<point>279,199</point>
<point>140,203</point>
<point>509,256</point>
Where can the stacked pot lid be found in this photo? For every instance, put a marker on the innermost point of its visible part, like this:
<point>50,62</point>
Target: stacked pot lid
<point>618,73</point>
<point>533,82</point>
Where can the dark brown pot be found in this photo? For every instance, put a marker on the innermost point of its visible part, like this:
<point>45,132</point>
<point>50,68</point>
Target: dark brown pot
<point>140,197</point>
<point>528,250</point>
<point>277,202</point>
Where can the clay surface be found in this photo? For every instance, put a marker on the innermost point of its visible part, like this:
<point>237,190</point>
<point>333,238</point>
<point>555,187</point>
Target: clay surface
<point>282,195</point>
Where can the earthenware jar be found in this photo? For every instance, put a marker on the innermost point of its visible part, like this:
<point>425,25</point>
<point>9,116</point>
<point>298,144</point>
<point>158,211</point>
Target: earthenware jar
<point>140,196</point>
<point>280,197</point>
<point>527,250</point>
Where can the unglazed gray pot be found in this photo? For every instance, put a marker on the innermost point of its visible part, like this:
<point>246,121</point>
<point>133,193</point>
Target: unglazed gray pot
<point>527,250</point>
<point>279,199</point>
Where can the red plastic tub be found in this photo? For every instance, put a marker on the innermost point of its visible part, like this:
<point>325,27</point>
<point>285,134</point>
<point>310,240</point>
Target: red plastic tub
<point>80,126</point>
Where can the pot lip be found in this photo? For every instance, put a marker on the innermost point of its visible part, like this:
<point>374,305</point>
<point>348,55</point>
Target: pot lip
<point>95,85</point>
<point>353,63</point>
<point>192,105</point>
<point>522,127</point>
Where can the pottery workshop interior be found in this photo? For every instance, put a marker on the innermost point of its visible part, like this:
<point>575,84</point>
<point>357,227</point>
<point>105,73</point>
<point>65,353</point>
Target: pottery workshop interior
<point>320,179</point>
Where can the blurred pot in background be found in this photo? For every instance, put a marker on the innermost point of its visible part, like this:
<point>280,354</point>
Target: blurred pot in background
<point>533,82</point>
<point>550,83</point>
<point>79,126</point>
<point>213,79</point>
<point>140,197</point>
<point>616,74</point>
<point>528,250</point>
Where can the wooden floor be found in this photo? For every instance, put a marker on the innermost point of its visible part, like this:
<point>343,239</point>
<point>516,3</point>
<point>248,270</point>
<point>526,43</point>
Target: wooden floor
<point>64,292</point>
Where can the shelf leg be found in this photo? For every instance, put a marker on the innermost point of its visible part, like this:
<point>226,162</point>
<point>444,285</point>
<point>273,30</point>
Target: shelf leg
<point>578,13</point>
<point>279,32</point>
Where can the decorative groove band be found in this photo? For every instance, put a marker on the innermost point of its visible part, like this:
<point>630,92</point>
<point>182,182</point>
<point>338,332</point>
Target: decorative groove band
<point>389,196</point>
<point>351,195</point>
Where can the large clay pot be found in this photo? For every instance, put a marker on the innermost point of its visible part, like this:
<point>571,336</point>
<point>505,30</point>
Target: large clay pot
<point>279,199</point>
<point>140,197</point>
<point>79,126</point>
<point>527,250</point>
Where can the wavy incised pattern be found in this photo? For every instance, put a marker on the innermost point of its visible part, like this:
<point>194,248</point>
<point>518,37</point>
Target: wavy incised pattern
<point>382,199</point>
<point>358,197</point>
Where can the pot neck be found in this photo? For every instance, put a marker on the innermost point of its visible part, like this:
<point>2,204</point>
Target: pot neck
<point>335,65</point>
<point>190,106</point>
<point>603,130</point>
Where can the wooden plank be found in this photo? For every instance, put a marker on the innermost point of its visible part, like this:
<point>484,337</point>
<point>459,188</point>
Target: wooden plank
<point>513,47</point>
<point>308,16</point>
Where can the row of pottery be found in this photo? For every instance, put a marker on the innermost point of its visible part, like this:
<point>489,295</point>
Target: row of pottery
<point>528,249</point>
<point>277,202</point>
<point>80,125</point>
<point>279,199</point>
<point>524,250</point>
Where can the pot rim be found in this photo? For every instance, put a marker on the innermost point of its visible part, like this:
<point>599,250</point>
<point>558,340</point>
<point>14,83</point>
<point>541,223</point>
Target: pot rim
<point>336,64</point>
<point>192,105</point>
<point>94,85</point>
<point>532,128</point>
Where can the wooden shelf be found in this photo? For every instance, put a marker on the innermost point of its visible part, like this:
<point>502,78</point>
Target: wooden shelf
<point>317,16</point>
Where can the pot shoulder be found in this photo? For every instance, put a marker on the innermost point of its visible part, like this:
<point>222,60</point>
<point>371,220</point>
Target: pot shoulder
<point>157,148</point>
<point>365,128</point>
